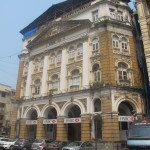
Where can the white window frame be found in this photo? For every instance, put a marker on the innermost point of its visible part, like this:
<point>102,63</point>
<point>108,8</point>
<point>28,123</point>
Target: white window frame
<point>112,13</point>
<point>53,59</point>
<point>96,73</point>
<point>124,43</point>
<point>75,78</point>
<point>54,84</point>
<point>80,49</point>
<point>95,15</point>
<point>115,41</point>
<point>120,15</point>
<point>122,72</point>
<point>59,56</point>
<point>36,64</point>
<point>71,52</point>
<point>37,87</point>
<point>95,45</point>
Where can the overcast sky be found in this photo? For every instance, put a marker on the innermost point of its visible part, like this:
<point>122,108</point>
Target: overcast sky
<point>14,16</point>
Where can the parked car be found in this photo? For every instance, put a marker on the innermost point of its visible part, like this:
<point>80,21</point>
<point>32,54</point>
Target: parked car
<point>9,144</point>
<point>22,144</point>
<point>40,144</point>
<point>2,141</point>
<point>78,145</point>
<point>56,145</point>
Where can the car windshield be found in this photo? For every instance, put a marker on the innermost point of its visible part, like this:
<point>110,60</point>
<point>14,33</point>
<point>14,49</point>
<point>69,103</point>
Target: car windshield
<point>139,132</point>
<point>38,141</point>
<point>75,144</point>
<point>20,140</point>
<point>11,140</point>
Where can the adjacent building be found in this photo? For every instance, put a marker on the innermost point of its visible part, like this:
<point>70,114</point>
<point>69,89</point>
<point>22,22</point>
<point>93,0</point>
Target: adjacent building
<point>143,10</point>
<point>6,98</point>
<point>78,77</point>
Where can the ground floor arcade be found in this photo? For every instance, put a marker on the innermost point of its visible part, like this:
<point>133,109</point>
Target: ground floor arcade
<point>100,115</point>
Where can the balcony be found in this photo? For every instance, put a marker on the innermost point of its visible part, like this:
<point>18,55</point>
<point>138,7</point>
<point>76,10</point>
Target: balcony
<point>124,82</point>
<point>74,88</point>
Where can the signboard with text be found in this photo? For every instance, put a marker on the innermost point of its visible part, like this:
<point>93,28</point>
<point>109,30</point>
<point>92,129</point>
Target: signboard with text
<point>126,119</point>
<point>50,121</point>
<point>31,122</point>
<point>72,120</point>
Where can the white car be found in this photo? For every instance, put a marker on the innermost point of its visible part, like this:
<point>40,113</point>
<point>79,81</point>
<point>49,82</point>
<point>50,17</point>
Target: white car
<point>9,144</point>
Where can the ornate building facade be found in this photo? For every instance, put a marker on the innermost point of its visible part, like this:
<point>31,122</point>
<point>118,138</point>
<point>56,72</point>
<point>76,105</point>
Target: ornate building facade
<point>78,77</point>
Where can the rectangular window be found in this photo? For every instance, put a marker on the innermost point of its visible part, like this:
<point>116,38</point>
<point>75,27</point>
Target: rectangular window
<point>3,94</point>
<point>37,90</point>
<point>95,15</point>
<point>112,13</point>
<point>55,85</point>
<point>120,16</point>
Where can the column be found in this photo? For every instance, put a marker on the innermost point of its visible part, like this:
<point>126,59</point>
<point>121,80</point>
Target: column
<point>62,129</point>
<point>23,129</point>
<point>110,132</point>
<point>63,72</point>
<point>85,128</point>
<point>13,122</point>
<point>44,77</point>
<point>40,131</point>
<point>85,77</point>
<point>28,84</point>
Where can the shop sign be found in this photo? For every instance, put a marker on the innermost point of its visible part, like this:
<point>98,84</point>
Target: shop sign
<point>72,120</point>
<point>31,122</point>
<point>50,121</point>
<point>126,119</point>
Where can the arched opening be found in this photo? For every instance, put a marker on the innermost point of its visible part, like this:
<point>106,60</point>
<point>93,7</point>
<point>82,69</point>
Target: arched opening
<point>125,111</point>
<point>50,116</point>
<point>31,123</point>
<point>74,128</point>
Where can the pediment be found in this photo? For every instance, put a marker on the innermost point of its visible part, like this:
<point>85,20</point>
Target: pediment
<point>56,28</point>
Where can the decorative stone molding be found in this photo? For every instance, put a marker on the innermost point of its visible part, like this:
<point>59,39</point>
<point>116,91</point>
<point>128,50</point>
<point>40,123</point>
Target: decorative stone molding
<point>84,102</point>
<point>60,104</point>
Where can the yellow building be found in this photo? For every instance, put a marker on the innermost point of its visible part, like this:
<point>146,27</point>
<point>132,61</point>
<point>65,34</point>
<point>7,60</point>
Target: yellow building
<point>78,77</point>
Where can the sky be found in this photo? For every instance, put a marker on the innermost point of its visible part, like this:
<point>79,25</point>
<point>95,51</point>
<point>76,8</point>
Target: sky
<point>14,16</point>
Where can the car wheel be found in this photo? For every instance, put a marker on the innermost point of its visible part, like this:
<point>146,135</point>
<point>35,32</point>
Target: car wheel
<point>11,147</point>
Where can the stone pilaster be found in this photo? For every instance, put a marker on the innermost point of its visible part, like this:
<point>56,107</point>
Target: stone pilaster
<point>110,129</point>
<point>23,129</point>
<point>62,130</point>
<point>44,77</point>
<point>40,131</point>
<point>19,80</point>
<point>85,128</point>
<point>28,84</point>
<point>63,72</point>
<point>13,122</point>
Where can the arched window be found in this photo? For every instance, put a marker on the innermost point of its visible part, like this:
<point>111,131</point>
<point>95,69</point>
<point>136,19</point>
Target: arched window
<point>42,62</point>
<point>95,44</point>
<point>96,73</point>
<point>53,58</point>
<point>80,49</point>
<point>122,70</point>
<point>71,52</point>
<point>36,64</point>
<point>59,56</point>
<point>37,86</point>
<point>75,77</point>
<point>124,43</point>
<point>97,105</point>
<point>115,41</point>
<point>55,82</point>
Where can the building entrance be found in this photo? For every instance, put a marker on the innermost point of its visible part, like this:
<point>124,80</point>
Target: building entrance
<point>125,118</point>
<point>50,123</point>
<point>74,123</point>
<point>31,123</point>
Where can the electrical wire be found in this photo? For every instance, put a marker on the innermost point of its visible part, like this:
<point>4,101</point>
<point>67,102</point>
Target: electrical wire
<point>9,56</point>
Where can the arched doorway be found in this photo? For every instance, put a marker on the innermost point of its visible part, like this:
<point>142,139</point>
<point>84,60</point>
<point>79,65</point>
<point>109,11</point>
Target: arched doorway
<point>50,116</point>
<point>125,112</point>
<point>31,123</point>
<point>74,128</point>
